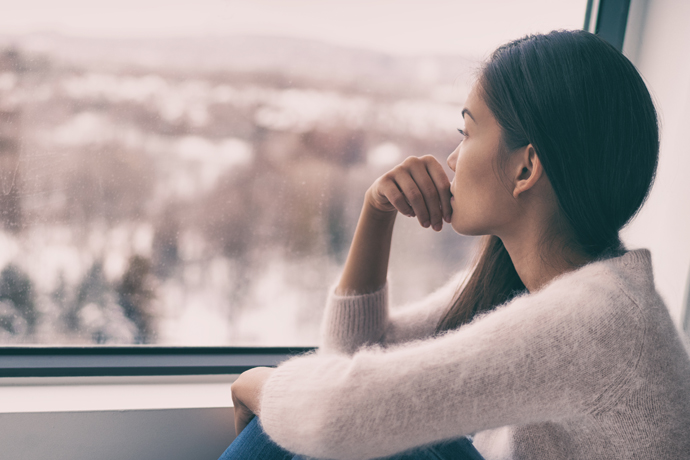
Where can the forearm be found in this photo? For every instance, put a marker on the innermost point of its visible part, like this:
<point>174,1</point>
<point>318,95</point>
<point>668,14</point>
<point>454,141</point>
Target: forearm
<point>418,187</point>
<point>376,403</point>
<point>357,311</point>
<point>366,266</point>
<point>534,360</point>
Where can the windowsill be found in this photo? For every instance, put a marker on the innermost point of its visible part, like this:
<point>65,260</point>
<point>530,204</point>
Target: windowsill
<point>80,394</point>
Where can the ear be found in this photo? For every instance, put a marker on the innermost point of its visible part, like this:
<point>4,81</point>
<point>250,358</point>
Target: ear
<point>528,170</point>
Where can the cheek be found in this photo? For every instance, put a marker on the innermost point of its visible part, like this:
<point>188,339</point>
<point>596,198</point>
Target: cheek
<point>473,174</point>
<point>469,195</point>
<point>480,199</point>
<point>469,211</point>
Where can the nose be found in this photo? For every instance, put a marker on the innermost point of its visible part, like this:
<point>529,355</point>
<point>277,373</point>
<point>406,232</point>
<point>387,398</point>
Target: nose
<point>453,158</point>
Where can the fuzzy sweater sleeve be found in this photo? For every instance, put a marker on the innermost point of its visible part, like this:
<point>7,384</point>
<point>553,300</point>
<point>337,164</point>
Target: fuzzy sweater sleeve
<point>353,321</point>
<point>563,350</point>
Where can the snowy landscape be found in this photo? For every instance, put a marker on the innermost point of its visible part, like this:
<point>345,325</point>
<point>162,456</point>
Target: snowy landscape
<point>205,192</point>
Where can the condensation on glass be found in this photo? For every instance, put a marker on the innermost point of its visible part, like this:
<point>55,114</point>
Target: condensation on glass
<point>204,191</point>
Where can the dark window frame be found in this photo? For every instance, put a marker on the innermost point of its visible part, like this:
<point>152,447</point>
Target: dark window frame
<point>611,20</point>
<point>57,361</point>
<point>138,360</point>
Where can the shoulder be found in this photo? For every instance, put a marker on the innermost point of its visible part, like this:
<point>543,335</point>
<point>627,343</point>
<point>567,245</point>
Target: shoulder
<point>616,288</point>
<point>595,312</point>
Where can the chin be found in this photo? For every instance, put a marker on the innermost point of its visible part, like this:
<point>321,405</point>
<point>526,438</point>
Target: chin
<point>466,228</point>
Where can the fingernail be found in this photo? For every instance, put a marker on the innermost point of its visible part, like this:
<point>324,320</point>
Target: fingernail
<point>425,224</point>
<point>438,227</point>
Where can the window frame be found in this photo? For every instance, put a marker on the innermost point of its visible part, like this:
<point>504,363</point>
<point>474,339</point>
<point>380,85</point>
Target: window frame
<point>607,18</point>
<point>137,360</point>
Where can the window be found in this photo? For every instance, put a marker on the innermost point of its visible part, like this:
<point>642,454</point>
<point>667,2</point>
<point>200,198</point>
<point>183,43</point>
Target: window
<point>190,173</point>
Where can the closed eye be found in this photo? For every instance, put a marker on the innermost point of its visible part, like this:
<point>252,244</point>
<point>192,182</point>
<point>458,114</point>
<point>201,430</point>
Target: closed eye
<point>464,134</point>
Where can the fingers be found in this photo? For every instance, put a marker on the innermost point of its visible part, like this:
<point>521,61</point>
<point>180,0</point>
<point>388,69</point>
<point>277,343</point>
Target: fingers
<point>236,411</point>
<point>242,419</point>
<point>391,192</point>
<point>414,191</point>
<point>242,415</point>
<point>427,189</point>
<point>438,175</point>
<point>238,423</point>
<point>418,187</point>
<point>245,393</point>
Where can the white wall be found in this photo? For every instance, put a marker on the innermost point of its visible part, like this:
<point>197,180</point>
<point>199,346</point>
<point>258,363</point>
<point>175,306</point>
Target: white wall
<point>658,43</point>
<point>116,418</point>
<point>160,434</point>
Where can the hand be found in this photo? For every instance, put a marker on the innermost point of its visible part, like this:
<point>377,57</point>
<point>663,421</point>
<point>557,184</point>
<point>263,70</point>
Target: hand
<point>246,394</point>
<point>416,187</point>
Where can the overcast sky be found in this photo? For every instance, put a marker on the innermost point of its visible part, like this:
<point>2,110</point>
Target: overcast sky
<point>395,26</point>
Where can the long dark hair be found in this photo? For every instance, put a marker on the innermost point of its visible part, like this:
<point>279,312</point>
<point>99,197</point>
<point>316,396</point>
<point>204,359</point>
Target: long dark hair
<point>591,120</point>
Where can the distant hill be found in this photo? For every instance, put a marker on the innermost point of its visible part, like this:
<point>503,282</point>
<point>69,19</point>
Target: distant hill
<point>288,56</point>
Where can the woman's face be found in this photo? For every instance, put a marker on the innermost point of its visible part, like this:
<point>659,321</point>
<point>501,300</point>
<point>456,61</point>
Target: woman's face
<point>481,200</point>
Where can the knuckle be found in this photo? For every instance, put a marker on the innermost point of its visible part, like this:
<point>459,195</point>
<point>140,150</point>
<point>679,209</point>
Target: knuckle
<point>410,161</point>
<point>400,203</point>
<point>388,176</point>
<point>390,195</point>
<point>397,171</point>
<point>414,195</point>
<point>429,190</point>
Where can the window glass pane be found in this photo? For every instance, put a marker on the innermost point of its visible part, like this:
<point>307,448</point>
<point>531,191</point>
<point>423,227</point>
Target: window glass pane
<point>190,172</point>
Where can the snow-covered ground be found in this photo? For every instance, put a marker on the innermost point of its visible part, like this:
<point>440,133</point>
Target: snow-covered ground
<point>105,154</point>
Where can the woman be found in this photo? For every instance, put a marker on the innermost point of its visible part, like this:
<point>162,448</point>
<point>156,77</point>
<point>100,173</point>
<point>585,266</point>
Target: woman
<point>557,346</point>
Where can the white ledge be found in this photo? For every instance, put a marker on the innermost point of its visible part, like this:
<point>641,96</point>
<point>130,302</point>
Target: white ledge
<point>79,394</point>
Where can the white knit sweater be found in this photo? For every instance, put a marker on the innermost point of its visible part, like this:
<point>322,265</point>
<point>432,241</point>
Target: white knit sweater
<point>589,367</point>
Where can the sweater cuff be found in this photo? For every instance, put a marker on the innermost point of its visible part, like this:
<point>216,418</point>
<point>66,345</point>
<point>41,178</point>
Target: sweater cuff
<point>290,403</point>
<point>352,321</point>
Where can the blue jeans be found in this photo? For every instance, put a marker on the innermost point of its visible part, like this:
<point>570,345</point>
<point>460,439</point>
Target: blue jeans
<point>254,443</point>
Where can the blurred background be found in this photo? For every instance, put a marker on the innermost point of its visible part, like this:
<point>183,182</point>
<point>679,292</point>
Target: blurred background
<point>191,172</point>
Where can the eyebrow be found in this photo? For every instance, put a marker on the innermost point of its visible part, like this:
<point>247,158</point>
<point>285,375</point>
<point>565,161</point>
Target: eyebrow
<point>465,111</point>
